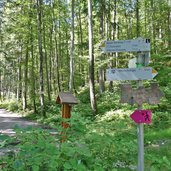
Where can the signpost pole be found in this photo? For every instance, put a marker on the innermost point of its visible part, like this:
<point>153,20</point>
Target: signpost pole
<point>141,147</point>
<point>140,127</point>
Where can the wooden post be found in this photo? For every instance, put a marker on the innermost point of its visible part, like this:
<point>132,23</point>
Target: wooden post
<point>140,126</point>
<point>66,113</point>
<point>66,99</point>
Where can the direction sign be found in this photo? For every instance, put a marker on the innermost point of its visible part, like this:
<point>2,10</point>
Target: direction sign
<point>135,45</point>
<point>141,116</point>
<point>122,74</point>
<point>151,95</point>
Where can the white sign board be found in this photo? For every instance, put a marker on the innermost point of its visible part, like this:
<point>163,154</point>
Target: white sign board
<point>137,45</point>
<point>130,74</point>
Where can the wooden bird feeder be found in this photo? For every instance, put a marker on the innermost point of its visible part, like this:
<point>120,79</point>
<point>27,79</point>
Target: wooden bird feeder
<point>66,99</point>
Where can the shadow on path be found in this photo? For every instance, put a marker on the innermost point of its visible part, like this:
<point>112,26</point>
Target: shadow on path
<point>8,121</point>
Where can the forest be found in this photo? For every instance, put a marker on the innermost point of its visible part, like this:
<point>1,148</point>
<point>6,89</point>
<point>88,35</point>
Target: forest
<point>53,46</point>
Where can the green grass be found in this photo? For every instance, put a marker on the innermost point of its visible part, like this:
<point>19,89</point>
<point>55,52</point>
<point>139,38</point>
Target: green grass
<point>159,134</point>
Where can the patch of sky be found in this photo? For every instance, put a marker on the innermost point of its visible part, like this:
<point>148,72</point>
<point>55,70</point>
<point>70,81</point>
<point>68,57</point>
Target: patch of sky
<point>48,2</point>
<point>129,5</point>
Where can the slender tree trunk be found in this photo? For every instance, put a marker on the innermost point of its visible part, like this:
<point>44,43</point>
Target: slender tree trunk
<point>72,49</point>
<point>82,68</point>
<point>138,19</point>
<point>153,26</point>
<point>115,30</point>
<point>51,57</point>
<point>19,85</point>
<point>32,69</point>
<point>25,80</point>
<point>46,63</point>
<point>169,26</point>
<point>100,70</point>
<point>39,23</point>
<point>56,77</point>
<point>1,43</point>
<point>129,26</point>
<point>0,85</point>
<point>60,76</point>
<point>109,20</point>
<point>57,64</point>
<point>145,18</point>
<point>91,59</point>
<point>4,83</point>
<point>114,36</point>
<point>101,80</point>
<point>33,80</point>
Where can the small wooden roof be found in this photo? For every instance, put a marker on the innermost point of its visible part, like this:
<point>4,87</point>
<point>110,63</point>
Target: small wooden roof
<point>66,98</point>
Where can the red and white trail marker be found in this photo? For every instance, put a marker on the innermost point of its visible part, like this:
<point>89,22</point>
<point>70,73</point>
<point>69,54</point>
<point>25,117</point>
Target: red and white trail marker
<point>141,116</point>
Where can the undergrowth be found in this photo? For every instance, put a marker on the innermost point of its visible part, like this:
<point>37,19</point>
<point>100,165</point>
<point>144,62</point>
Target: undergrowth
<point>107,141</point>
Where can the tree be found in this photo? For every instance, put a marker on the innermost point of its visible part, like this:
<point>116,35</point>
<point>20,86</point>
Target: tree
<point>137,18</point>
<point>101,71</point>
<point>39,29</point>
<point>72,48</point>
<point>169,23</point>
<point>91,59</point>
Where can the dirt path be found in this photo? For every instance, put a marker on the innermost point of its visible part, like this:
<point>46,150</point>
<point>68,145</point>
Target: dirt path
<point>9,120</point>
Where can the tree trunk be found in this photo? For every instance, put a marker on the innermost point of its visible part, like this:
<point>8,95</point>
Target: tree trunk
<point>32,68</point>
<point>82,67</point>
<point>72,49</point>
<point>137,17</point>
<point>100,71</point>
<point>25,80</point>
<point>91,59</point>
<point>101,80</point>
<point>169,26</point>
<point>56,77</point>
<point>46,63</point>
<point>153,26</point>
<point>39,23</point>
<point>115,33</point>
<point>0,85</point>
<point>50,57</point>
<point>33,75</point>
<point>145,18</point>
<point>57,64</point>
<point>19,86</point>
<point>33,85</point>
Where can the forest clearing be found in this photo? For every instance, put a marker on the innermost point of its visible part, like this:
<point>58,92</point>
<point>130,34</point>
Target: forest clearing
<point>85,85</point>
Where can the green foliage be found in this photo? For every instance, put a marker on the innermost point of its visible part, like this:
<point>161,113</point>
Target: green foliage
<point>106,142</point>
<point>4,140</point>
<point>11,106</point>
<point>39,150</point>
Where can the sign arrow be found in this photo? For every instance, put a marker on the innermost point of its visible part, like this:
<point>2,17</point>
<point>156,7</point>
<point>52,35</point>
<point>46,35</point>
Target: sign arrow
<point>141,116</point>
<point>154,73</point>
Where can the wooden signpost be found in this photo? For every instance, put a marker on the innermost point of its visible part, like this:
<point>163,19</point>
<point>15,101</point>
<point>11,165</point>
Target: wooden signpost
<point>66,99</point>
<point>139,95</point>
